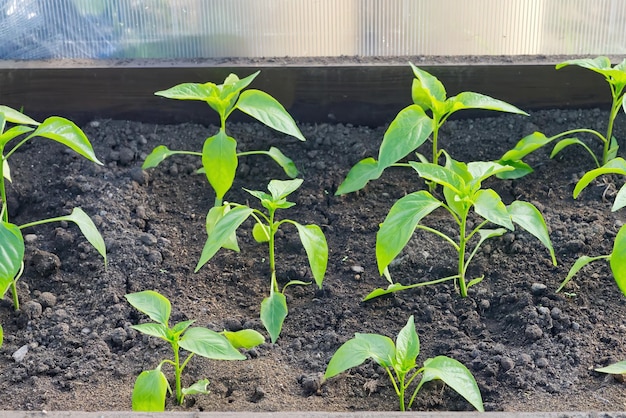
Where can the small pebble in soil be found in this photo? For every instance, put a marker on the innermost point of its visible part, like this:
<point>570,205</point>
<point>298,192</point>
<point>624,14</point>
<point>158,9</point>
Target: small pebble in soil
<point>47,299</point>
<point>20,353</point>
<point>311,383</point>
<point>506,363</point>
<point>538,288</point>
<point>533,332</point>
<point>32,309</point>
<point>542,363</point>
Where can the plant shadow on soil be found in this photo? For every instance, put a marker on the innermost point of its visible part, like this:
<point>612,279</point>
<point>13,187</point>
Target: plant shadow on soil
<point>528,347</point>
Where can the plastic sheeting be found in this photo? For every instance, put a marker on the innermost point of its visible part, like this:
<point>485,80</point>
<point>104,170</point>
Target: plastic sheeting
<point>102,29</point>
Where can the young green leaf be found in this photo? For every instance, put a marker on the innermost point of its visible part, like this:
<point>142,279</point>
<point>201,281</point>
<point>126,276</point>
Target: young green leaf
<point>359,175</point>
<point>67,133</point>
<point>356,351</point>
<point>440,175</point>
<point>488,204</point>
<point>617,368</point>
<point>157,155</point>
<point>283,161</point>
<point>154,330</point>
<point>198,388</point>
<point>188,91</point>
<point>269,111</point>
<point>528,217</point>
<point>618,260</point>
<point>280,189</point>
<point>261,233</point>
<point>222,233</point>
<point>620,199</point>
<point>209,344</point>
<point>454,374</point>
<point>151,303</point>
<point>14,116</point>
<point>89,230</point>
<point>401,221</point>
<point>245,338</point>
<point>216,213</point>
<point>471,100</point>
<point>410,129</point>
<point>314,243</point>
<point>615,166</point>
<point>11,254</point>
<point>407,347</point>
<point>149,391</point>
<point>579,264</point>
<point>219,158</point>
<point>428,90</point>
<point>519,169</point>
<point>13,132</point>
<point>525,146</point>
<point>6,170</point>
<point>273,314</point>
<point>564,143</point>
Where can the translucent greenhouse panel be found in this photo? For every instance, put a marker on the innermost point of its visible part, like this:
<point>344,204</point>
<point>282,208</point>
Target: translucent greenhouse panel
<point>187,29</point>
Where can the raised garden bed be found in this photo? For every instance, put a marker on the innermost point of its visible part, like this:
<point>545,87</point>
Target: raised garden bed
<point>529,348</point>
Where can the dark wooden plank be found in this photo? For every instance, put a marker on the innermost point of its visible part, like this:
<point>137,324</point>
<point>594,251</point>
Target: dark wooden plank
<point>358,94</point>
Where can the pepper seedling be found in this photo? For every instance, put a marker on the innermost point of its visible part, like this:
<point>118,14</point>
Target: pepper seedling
<point>399,361</point>
<point>274,307</point>
<point>413,126</point>
<point>615,77</point>
<point>64,132</point>
<point>151,386</point>
<point>462,189</point>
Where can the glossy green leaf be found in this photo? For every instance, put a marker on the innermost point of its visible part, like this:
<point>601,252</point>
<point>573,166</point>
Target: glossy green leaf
<point>525,146</point>
<point>598,64</point>
<point>14,132</point>
<point>188,91</point>
<point>564,143</point>
<point>401,221</point>
<point>261,232</point>
<point>273,314</point>
<point>245,338</point>
<point>616,368</point>
<point>520,169</point>
<point>488,204</point>
<point>268,111</point>
<point>359,175</point>
<point>157,155</point>
<point>529,218</point>
<point>456,375</point>
<point>615,166</point>
<point>470,100</point>
<point>440,175</point>
<point>180,327</point>
<point>209,344</point>
<point>314,243</point>
<point>288,166</point>
<point>219,158</point>
<point>222,233</point>
<point>620,199</point>
<point>151,303</point>
<point>407,346</point>
<point>429,83</point>
<point>283,188</point>
<point>67,133</point>
<point>11,254</point>
<point>233,84</point>
<point>356,351</point>
<point>89,230</point>
<point>6,170</point>
<point>149,391</point>
<point>392,288</point>
<point>216,213</point>
<point>153,329</point>
<point>14,116</point>
<point>482,170</point>
<point>579,264</point>
<point>618,259</point>
<point>410,129</point>
<point>198,388</point>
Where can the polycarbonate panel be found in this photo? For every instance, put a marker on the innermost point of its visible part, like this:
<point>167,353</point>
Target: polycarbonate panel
<point>40,29</point>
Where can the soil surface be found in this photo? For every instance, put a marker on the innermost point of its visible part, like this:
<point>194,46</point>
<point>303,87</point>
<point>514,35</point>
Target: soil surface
<point>71,346</point>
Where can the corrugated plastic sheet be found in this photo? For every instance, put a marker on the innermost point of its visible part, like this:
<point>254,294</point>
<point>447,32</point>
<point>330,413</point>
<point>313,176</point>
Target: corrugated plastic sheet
<point>99,29</point>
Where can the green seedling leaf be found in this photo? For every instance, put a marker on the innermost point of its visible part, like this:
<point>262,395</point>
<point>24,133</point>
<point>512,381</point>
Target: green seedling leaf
<point>359,175</point>
<point>428,89</point>
<point>392,288</point>
<point>456,375</point>
<point>13,132</point>
<point>482,170</point>
<point>222,232</point>
<point>11,254</point>
<point>520,169</point>
<point>529,218</point>
<point>261,232</point>
<point>525,146</point>
<point>216,213</point>
<point>564,143</point>
<point>14,116</point>
<point>67,133</point>
<point>245,338</point>
<point>89,230</point>
<point>149,391</point>
<point>615,166</point>
<point>407,346</point>
<point>219,158</point>
<point>209,344</point>
<point>470,100</point>
<point>618,260</point>
<point>198,388</point>
<point>356,351</point>
<point>280,189</point>
<point>620,199</point>
<point>475,281</point>
<point>153,304</point>
<point>579,264</point>
<point>284,162</point>
<point>188,91</point>
<point>488,204</point>
<point>268,111</point>
<point>410,129</point>
<point>6,170</point>
<point>401,221</point>
<point>180,327</point>
<point>598,64</point>
<point>273,314</point>
<point>617,368</point>
<point>440,175</point>
<point>154,330</point>
<point>314,243</point>
<point>157,155</point>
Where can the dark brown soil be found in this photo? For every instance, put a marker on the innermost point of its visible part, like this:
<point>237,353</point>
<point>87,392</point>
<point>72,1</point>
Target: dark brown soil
<point>529,348</point>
